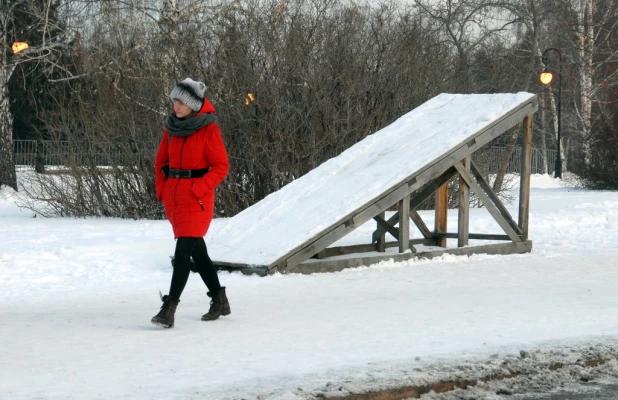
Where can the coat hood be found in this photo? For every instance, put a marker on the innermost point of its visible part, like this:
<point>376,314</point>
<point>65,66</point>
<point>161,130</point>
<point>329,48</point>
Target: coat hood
<point>207,107</point>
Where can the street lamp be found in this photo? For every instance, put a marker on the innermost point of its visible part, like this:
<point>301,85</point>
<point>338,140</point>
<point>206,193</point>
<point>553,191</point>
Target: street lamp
<point>19,46</point>
<point>547,78</point>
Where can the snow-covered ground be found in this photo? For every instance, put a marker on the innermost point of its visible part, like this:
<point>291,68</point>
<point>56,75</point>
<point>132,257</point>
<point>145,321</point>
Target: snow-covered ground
<point>77,296</point>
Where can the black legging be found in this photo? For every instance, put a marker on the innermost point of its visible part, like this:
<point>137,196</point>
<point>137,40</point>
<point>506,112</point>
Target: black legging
<point>187,247</point>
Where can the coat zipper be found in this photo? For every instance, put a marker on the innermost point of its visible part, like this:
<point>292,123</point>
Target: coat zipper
<point>178,179</point>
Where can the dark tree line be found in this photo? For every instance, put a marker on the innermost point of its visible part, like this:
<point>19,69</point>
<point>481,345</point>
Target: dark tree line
<point>297,82</point>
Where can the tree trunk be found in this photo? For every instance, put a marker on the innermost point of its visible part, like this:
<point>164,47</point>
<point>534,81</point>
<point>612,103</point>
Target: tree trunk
<point>543,130</point>
<point>7,162</point>
<point>585,43</point>
<point>554,112</point>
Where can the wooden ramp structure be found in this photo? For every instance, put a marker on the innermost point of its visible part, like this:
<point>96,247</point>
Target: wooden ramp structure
<point>400,166</point>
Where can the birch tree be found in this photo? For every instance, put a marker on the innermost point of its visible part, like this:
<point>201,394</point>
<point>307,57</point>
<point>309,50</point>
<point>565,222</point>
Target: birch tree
<point>595,25</point>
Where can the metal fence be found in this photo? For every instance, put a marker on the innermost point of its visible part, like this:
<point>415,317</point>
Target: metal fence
<point>493,157</point>
<point>30,153</point>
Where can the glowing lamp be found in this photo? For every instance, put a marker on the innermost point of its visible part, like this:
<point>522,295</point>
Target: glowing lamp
<point>249,99</point>
<point>546,77</point>
<point>19,46</point>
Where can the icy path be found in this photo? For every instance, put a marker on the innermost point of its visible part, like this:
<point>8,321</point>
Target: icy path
<point>291,331</point>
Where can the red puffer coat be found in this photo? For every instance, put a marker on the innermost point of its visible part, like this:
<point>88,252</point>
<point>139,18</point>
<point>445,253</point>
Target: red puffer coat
<point>190,203</point>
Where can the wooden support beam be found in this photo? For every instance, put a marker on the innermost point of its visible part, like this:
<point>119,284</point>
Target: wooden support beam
<point>366,248</point>
<point>493,210</point>
<point>404,224</point>
<point>418,221</point>
<point>524,184</point>
<point>381,240</point>
<point>338,264</point>
<point>441,213</point>
<point>392,221</point>
<point>477,236</point>
<point>387,227</point>
<point>494,197</point>
<point>464,208</point>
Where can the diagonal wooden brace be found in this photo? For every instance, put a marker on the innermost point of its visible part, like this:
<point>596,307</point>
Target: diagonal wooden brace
<point>500,218</point>
<point>494,197</point>
<point>420,224</point>
<point>388,226</point>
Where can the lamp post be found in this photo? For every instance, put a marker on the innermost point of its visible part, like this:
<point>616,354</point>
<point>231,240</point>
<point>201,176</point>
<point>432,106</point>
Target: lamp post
<point>547,78</point>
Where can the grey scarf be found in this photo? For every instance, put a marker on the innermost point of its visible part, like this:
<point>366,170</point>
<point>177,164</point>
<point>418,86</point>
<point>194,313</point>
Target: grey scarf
<point>185,127</point>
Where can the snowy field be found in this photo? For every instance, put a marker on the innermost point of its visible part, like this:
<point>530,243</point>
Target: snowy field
<point>77,296</point>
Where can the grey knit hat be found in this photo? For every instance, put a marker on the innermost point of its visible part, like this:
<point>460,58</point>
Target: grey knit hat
<point>189,92</point>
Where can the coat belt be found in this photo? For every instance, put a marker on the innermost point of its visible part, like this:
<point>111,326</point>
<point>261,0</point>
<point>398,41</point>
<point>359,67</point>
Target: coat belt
<point>185,173</point>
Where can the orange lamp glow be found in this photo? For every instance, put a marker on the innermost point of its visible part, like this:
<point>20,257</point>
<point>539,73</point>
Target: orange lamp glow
<point>250,98</point>
<point>546,77</point>
<point>19,46</point>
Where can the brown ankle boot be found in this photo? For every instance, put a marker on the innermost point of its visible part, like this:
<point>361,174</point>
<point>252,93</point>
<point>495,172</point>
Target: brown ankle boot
<point>165,317</point>
<point>219,305</point>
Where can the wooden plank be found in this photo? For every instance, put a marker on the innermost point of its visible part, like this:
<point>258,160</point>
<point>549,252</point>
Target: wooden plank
<point>352,249</point>
<point>386,226</point>
<point>494,249</point>
<point>367,248</point>
<point>334,264</point>
<point>478,236</point>
<point>493,210</point>
<point>381,240</point>
<point>420,224</point>
<point>416,180</point>
<point>494,197</point>
<point>524,184</point>
<point>464,208</point>
<point>404,224</point>
<point>441,213</point>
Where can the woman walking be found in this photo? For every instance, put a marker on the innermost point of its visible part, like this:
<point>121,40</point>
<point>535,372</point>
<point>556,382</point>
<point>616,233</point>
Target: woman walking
<point>190,163</point>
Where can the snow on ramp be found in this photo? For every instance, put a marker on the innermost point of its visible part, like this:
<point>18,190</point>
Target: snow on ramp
<point>292,216</point>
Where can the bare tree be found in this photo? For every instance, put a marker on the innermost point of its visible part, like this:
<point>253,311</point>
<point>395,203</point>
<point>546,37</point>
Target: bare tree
<point>467,25</point>
<point>294,84</point>
<point>30,32</point>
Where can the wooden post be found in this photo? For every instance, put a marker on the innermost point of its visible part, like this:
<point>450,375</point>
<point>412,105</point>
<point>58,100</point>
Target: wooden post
<point>524,183</point>
<point>464,207</point>
<point>404,224</point>
<point>441,213</point>
<point>381,242</point>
